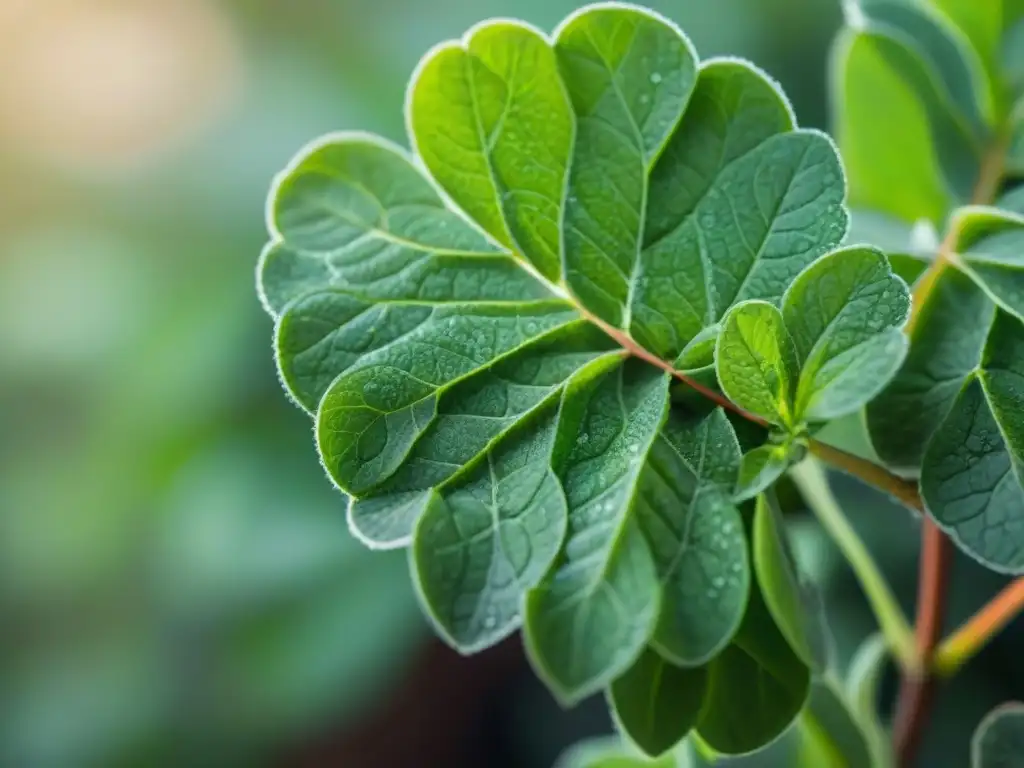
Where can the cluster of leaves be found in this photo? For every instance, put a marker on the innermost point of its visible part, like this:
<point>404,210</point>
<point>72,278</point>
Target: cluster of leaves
<point>952,415</point>
<point>488,331</point>
<point>488,352</point>
<point>934,186</point>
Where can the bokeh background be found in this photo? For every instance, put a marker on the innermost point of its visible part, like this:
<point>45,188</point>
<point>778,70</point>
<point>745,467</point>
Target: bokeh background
<point>177,585</point>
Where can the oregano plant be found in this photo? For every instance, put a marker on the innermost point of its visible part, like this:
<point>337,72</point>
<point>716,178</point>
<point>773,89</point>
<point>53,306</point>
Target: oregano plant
<point>564,348</point>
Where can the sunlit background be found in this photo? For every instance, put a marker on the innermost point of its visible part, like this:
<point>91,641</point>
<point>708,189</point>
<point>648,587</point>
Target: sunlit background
<point>177,584</point>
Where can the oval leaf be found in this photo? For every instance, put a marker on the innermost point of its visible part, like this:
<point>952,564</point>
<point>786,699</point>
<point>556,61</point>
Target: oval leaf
<point>998,741</point>
<point>656,704</point>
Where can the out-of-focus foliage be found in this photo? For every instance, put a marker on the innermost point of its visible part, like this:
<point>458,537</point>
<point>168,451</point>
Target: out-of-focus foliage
<point>175,585</point>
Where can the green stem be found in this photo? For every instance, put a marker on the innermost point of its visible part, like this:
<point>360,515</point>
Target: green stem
<point>813,484</point>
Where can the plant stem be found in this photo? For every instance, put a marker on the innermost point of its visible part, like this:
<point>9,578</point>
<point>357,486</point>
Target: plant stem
<point>810,478</point>
<point>904,491</point>
<point>960,646</point>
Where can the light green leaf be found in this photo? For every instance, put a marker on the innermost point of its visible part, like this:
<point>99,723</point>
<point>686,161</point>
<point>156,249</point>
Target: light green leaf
<point>739,204</point>
<point>352,212</point>
<point>845,314</point>
<point>629,74</point>
<point>998,740</point>
<point>836,735</point>
<point>981,23</point>
<point>761,467</point>
<point>756,362</point>
<point>610,752</point>
<point>372,415</point>
<point>757,686</point>
<point>492,122</point>
<point>884,133</point>
<point>990,245</point>
<point>945,52</point>
<point>945,345</point>
<point>696,535</point>
<point>470,415</point>
<point>971,472</point>
<point>656,704</point>
<point>588,621</point>
<point>491,535</point>
<point>793,602</point>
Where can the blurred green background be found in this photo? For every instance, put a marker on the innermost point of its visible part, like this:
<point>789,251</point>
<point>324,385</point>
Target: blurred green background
<point>177,584</point>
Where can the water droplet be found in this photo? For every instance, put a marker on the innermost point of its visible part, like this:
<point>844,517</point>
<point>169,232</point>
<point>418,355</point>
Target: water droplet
<point>490,622</point>
<point>737,567</point>
<point>656,77</point>
<point>644,99</point>
<point>712,593</point>
<point>727,528</point>
<point>634,447</point>
<point>719,581</point>
<point>707,221</point>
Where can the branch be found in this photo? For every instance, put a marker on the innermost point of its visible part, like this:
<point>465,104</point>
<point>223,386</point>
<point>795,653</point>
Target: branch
<point>975,634</point>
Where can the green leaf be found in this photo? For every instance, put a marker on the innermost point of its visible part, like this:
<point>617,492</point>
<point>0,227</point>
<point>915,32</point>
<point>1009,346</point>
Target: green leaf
<point>739,204</point>
<point>884,133</point>
<point>352,212</point>
<point>587,622</point>
<point>945,53</point>
<point>971,472</point>
<point>492,122</point>
<point>610,752</point>
<point>757,686</point>
<point>629,74</point>
<point>656,704</point>
<point>845,315</point>
<point>837,736</point>
<point>793,602</point>
<point>487,538</point>
<point>762,466</point>
<point>981,23</point>
<point>945,345</point>
<point>470,415</point>
<point>990,246</point>
<point>998,741</point>
<point>696,535</point>
<point>373,413</point>
<point>757,363</point>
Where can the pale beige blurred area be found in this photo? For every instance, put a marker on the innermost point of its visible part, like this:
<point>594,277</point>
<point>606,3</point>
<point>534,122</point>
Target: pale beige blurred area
<point>107,85</point>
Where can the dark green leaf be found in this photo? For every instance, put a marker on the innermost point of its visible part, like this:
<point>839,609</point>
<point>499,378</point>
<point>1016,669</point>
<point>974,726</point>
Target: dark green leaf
<point>793,602</point>
<point>757,686</point>
<point>945,345</point>
<point>695,533</point>
<point>491,535</point>
<point>971,472</point>
<point>588,621</point>
<point>656,703</point>
<point>999,739</point>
